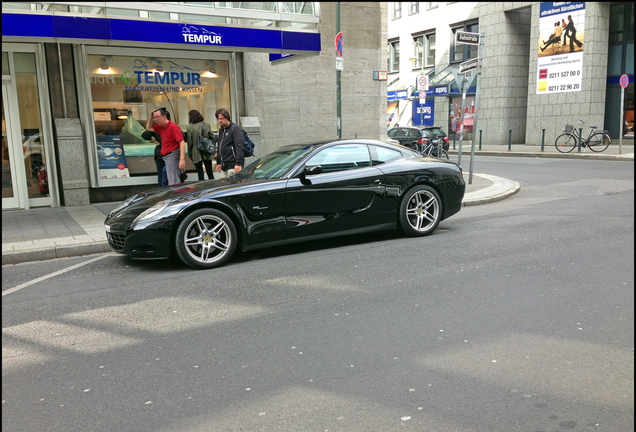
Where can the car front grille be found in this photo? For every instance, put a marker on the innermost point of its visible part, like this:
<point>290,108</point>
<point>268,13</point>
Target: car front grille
<point>116,240</point>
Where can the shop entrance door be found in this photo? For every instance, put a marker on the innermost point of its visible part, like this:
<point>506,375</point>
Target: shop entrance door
<point>26,147</point>
<point>10,192</point>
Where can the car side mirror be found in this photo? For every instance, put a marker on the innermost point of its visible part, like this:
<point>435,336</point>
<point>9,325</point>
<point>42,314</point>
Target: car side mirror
<point>309,170</point>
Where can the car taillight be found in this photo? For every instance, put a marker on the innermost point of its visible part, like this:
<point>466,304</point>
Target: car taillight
<point>446,139</point>
<point>420,141</point>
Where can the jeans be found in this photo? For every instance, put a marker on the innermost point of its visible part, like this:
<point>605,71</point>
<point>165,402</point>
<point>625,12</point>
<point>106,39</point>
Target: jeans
<point>162,177</point>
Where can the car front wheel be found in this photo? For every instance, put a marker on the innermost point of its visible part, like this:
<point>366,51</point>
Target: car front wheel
<point>206,238</point>
<point>420,211</point>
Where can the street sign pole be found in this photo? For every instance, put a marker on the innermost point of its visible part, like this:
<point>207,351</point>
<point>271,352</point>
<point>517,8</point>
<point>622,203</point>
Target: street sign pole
<point>472,148</point>
<point>338,80</point>
<point>461,129</point>
<point>624,82</point>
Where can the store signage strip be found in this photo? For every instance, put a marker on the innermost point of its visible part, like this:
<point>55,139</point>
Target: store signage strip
<point>66,27</point>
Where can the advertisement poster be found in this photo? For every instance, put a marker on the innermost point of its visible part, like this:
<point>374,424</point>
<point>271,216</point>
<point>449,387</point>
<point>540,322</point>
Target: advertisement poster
<point>423,114</point>
<point>560,47</point>
<point>111,157</point>
<point>456,114</point>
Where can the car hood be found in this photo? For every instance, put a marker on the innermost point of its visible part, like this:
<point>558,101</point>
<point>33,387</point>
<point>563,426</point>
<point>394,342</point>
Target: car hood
<point>186,192</point>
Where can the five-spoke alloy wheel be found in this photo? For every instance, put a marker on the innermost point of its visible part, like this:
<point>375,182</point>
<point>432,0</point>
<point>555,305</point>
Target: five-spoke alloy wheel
<point>420,211</point>
<point>206,238</point>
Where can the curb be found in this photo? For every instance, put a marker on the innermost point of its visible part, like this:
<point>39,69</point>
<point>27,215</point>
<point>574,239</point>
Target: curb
<point>52,252</point>
<point>493,198</point>
<point>599,156</point>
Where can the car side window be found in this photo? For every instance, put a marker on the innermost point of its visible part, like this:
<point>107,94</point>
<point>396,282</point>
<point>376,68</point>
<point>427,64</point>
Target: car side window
<point>414,133</point>
<point>401,133</point>
<point>342,157</point>
<point>380,155</point>
<point>391,133</point>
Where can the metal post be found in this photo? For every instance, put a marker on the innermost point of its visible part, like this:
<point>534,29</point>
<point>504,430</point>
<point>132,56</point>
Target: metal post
<point>472,146</point>
<point>338,78</point>
<point>620,127</point>
<point>461,129</point>
<point>454,136</point>
<point>542,139</point>
<point>509,139</point>
<point>580,135</point>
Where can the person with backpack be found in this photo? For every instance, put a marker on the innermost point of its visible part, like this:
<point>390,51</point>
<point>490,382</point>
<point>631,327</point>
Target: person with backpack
<point>199,158</point>
<point>230,157</point>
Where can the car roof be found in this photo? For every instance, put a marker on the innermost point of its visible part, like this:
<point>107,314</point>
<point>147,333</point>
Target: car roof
<point>318,144</point>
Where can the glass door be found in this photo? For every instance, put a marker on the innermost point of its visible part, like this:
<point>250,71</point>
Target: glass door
<point>26,144</point>
<point>9,185</point>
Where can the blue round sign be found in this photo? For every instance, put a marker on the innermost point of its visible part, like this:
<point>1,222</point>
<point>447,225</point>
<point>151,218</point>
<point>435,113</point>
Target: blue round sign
<point>624,81</point>
<point>339,44</point>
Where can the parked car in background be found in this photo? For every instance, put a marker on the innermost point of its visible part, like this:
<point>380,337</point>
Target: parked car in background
<point>299,192</point>
<point>410,136</point>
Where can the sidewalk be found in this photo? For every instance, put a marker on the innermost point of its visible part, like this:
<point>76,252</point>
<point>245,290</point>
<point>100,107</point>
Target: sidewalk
<point>47,233</point>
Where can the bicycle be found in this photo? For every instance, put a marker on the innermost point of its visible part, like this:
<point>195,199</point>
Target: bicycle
<point>427,148</point>
<point>595,141</point>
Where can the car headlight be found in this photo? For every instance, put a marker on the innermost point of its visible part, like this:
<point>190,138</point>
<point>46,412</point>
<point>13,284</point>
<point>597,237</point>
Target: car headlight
<point>152,211</point>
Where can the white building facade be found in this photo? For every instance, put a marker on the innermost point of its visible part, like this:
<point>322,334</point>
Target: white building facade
<point>524,89</point>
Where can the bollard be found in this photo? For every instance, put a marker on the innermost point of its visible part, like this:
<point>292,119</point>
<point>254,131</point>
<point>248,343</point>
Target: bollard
<point>580,135</point>
<point>509,139</point>
<point>454,136</point>
<point>542,139</point>
<point>480,139</point>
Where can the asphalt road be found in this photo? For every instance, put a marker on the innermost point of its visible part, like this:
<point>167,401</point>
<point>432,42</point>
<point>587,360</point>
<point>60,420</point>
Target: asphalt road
<point>512,316</point>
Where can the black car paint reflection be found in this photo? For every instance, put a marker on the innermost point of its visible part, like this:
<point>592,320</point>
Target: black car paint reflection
<point>361,185</point>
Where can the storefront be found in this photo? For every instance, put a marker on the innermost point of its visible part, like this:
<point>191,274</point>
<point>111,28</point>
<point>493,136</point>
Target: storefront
<point>123,70</point>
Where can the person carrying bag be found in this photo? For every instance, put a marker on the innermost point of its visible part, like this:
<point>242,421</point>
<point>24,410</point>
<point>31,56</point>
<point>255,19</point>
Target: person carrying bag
<point>201,144</point>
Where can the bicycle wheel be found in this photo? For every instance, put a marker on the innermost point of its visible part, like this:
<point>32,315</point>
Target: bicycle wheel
<point>444,154</point>
<point>565,143</point>
<point>599,142</point>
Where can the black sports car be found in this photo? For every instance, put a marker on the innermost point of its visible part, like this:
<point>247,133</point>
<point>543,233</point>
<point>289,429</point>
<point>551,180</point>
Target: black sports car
<point>298,192</point>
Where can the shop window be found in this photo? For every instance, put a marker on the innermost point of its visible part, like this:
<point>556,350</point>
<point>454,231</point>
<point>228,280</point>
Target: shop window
<point>126,89</point>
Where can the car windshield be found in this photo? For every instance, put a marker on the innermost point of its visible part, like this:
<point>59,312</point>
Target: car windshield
<point>276,164</point>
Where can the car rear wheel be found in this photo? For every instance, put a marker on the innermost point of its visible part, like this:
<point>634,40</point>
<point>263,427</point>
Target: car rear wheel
<point>205,239</point>
<point>420,211</point>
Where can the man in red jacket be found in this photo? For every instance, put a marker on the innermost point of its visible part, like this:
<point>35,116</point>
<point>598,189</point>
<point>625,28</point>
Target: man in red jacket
<point>172,144</point>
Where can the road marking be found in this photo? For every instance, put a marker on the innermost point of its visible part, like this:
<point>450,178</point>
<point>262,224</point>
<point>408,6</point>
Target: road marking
<point>59,272</point>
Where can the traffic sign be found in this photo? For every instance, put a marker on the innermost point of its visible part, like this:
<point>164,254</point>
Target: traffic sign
<point>339,42</point>
<point>339,63</point>
<point>624,81</point>
<point>467,38</point>
<point>468,65</point>
<point>422,96</point>
<point>422,82</point>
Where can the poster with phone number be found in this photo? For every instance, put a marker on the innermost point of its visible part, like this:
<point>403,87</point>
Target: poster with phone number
<point>560,47</point>
<point>111,157</point>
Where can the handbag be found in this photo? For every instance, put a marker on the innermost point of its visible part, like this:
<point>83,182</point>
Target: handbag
<point>205,144</point>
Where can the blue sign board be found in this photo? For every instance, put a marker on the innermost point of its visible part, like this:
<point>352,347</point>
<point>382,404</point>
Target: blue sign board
<point>68,27</point>
<point>423,114</point>
<point>439,91</point>
<point>399,94</point>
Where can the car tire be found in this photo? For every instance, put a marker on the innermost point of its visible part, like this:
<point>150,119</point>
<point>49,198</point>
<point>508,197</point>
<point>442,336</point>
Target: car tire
<point>420,211</point>
<point>206,238</point>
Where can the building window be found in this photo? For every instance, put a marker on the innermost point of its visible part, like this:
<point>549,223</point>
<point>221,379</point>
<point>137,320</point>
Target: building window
<point>394,56</point>
<point>463,52</point>
<point>431,5</point>
<point>397,10</point>
<point>424,50</point>
<point>126,89</point>
<point>415,8</point>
